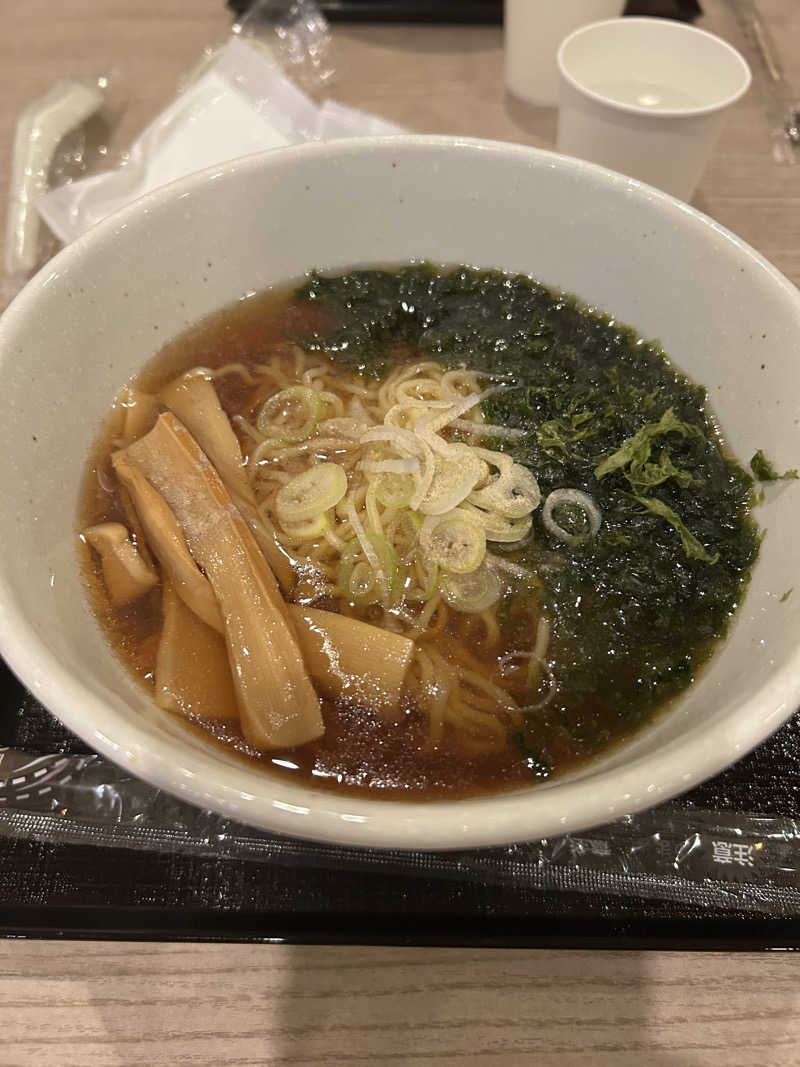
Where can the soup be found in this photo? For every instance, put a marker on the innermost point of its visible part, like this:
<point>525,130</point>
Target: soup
<point>420,532</point>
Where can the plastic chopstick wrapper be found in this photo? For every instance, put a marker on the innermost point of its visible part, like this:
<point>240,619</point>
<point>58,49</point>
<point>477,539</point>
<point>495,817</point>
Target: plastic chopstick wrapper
<point>39,131</point>
<point>241,104</point>
<point>266,87</point>
<point>728,860</point>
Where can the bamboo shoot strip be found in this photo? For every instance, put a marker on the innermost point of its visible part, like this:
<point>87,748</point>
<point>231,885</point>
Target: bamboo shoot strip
<point>344,656</point>
<point>353,659</point>
<point>141,411</point>
<point>126,574</point>
<point>165,539</point>
<point>134,525</point>
<point>193,675</point>
<point>194,400</point>
<point>277,702</point>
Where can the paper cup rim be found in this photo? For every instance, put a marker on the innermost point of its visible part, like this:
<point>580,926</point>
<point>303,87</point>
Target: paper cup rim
<point>636,109</point>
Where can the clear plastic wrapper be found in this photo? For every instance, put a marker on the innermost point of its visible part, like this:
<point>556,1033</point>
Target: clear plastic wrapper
<point>724,860</point>
<point>57,139</point>
<point>264,87</point>
<point>41,128</point>
<point>241,104</point>
<point>257,92</point>
<point>299,35</point>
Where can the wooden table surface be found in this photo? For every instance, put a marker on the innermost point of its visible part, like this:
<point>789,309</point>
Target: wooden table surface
<point>124,1004</point>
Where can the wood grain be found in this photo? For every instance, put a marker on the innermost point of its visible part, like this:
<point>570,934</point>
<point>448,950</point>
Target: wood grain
<point>112,1005</point>
<point>94,1005</point>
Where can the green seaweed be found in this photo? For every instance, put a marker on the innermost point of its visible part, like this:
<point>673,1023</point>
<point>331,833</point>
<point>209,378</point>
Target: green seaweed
<point>636,609</point>
<point>765,471</point>
<point>691,546</point>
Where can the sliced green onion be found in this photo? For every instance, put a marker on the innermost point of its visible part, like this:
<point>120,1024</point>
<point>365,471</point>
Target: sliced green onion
<point>503,462</point>
<point>498,527</point>
<point>371,507</point>
<point>422,580</point>
<point>332,537</point>
<point>308,494</point>
<point>394,490</point>
<point>402,532</point>
<point>304,531</point>
<point>291,415</point>
<point>359,581</point>
<point>508,531</point>
<point>456,473</point>
<point>407,443</point>
<point>409,465</point>
<point>525,484</point>
<point>564,498</point>
<point>436,422</point>
<point>388,559</point>
<point>455,541</point>
<point>514,494</point>
<point>363,583</point>
<point>472,592</point>
<point>358,529</point>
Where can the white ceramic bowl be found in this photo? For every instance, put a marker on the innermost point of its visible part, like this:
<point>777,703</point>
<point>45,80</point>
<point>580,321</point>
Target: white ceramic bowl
<point>93,316</point>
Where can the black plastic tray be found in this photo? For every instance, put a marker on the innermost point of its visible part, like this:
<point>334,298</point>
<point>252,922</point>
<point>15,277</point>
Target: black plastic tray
<point>49,890</point>
<point>461,11</point>
<point>449,11</point>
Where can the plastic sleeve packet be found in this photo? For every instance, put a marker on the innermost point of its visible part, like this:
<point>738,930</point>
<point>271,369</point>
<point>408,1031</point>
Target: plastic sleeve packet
<point>39,131</point>
<point>299,33</point>
<point>258,90</point>
<point>336,120</point>
<point>727,860</point>
<point>241,104</point>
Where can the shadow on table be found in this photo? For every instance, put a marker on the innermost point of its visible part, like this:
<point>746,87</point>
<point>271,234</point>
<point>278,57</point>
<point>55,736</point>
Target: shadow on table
<point>539,123</point>
<point>432,1006</point>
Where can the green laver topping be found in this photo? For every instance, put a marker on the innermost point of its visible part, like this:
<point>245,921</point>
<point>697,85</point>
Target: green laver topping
<point>691,546</point>
<point>765,471</point>
<point>634,454</point>
<point>559,436</point>
<point>633,460</point>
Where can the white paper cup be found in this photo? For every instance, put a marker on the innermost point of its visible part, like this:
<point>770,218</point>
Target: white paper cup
<point>647,97</point>
<point>533,31</point>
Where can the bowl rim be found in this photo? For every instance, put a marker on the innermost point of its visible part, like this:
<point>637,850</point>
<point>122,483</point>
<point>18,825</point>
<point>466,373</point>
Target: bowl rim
<point>264,801</point>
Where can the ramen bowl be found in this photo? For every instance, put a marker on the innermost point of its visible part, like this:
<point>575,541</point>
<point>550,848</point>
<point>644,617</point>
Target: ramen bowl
<point>103,307</point>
